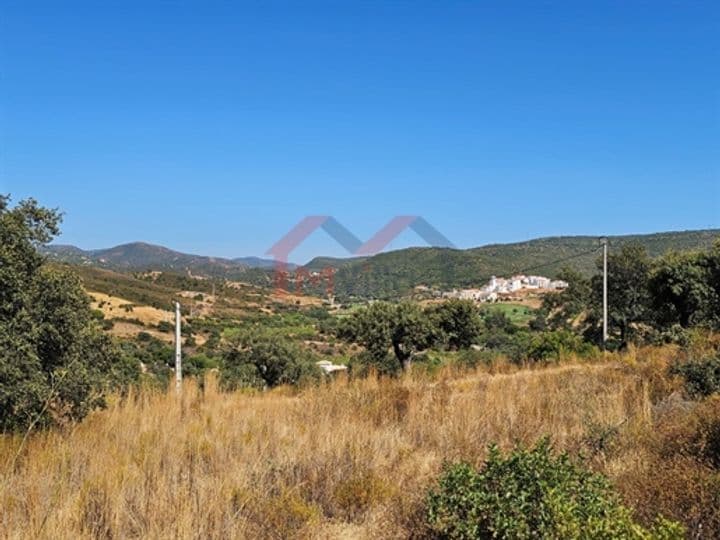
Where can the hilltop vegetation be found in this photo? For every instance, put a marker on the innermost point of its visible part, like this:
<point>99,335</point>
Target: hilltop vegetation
<point>394,274</point>
<point>160,289</point>
<point>144,256</point>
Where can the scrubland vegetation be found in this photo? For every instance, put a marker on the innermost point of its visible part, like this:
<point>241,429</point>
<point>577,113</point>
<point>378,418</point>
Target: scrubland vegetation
<point>450,422</point>
<point>357,459</point>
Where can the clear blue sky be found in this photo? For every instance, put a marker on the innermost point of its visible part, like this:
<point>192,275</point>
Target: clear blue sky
<point>213,127</point>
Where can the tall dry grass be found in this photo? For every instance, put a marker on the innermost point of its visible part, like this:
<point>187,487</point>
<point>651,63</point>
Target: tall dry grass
<point>343,460</point>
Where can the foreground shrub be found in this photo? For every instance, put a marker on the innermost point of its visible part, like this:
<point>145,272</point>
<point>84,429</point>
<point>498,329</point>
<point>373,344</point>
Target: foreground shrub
<point>702,377</point>
<point>532,494</point>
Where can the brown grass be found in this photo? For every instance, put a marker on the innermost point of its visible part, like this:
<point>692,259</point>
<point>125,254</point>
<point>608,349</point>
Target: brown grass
<point>344,460</point>
<point>113,306</point>
<point>130,330</point>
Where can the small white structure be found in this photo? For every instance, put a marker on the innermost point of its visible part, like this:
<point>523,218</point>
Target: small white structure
<point>328,367</point>
<point>515,283</point>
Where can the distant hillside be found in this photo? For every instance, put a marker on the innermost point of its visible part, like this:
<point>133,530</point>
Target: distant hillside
<point>394,273</point>
<point>318,263</point>
<point>257,262</point>
<point>142,256</point>
<point>161,290</point>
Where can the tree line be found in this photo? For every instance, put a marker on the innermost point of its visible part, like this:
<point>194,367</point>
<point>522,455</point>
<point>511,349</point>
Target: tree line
<point>648,299</point>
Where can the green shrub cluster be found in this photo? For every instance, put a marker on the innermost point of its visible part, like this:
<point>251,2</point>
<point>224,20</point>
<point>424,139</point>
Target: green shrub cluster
<point>702,377</point>
<point>532,494</point>
<point>554,345</point>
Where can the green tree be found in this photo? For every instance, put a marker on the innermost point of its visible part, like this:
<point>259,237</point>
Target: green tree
<point>457,323</point>
<point>565,308</point>
<point>681,289</point>
<point>403,328</point>
<point>55,363</point>
<point>501,336</point>
<point>712,264</point>
<point>628,293</point>
<point>497,321</point>
<point>259,360</point>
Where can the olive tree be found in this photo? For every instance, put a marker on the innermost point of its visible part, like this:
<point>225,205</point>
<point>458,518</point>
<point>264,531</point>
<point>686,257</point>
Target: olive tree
<point>381,327</point>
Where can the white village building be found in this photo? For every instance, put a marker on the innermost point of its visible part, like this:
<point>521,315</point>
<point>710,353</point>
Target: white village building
<point>498,285</point>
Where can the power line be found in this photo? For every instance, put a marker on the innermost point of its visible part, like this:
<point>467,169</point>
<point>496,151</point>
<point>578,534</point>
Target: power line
<point>556,261</point>
<point>548,263</point>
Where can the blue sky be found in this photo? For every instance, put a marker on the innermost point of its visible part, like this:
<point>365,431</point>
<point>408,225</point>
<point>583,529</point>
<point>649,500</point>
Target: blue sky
<point>213,127</point>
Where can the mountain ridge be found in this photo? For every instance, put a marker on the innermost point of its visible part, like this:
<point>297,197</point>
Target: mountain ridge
<point>393,273</point>
<point>146,256</point>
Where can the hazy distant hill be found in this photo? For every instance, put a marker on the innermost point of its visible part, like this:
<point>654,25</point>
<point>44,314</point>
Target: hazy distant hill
<point>257,262</point>
<point>142,256</point>
<point>394,273</point>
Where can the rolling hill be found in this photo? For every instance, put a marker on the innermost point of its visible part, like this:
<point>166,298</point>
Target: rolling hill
<point>394,273</point>
<point>143,256</point>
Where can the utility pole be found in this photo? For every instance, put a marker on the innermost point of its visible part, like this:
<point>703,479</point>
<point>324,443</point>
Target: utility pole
<point>178,352</point>
<point>604,243</point>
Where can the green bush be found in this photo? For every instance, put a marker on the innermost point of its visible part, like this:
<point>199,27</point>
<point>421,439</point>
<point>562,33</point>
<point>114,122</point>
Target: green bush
<point>554,345</point>
<point>676,335</point>
<point>532,494</point>
<point>702,377</point>
<point>157,357</point>
<point>471,358</point>
<point>196,365</point>
<point>166,326</point>
<point>511,341</point>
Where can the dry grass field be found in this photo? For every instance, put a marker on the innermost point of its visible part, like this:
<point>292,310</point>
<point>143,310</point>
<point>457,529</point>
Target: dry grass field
<point>351,459</point>
<point>113,306</point>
